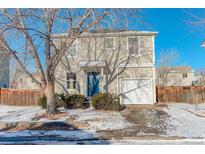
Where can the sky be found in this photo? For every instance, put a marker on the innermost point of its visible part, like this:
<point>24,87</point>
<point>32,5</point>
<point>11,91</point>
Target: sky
<point>175,31</point>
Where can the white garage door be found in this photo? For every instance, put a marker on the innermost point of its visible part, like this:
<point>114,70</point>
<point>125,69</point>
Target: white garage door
<point>136,91</point>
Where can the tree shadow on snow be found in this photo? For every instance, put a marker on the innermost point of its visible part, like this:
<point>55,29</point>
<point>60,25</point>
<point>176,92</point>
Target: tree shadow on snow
<point>50,133</point>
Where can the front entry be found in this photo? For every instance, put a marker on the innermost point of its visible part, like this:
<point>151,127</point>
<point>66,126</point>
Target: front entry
<point>93,83</point>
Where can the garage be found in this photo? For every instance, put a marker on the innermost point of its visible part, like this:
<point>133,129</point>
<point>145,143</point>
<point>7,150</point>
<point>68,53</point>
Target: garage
<point>136,91</point>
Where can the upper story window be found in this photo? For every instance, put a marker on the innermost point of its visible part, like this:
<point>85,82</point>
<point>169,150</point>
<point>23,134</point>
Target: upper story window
<point>133,45</point>
<point>71,80</point>
<point>72,49</point>
<point>185,75</point>
<point>109,43</point>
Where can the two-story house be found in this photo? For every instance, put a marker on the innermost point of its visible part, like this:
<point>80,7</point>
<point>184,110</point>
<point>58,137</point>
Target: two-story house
<point>175,76</point>
<point>4,70</point>
<point>119,62</point>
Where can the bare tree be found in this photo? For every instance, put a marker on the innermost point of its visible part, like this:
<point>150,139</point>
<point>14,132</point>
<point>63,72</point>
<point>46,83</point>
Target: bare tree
<point>4,70</point>
<point>117,60</point>
<point>29,34</point>
<point>200,77</point>
<point>166,61</point>
<point>113,58</point>
<point>198,23</point>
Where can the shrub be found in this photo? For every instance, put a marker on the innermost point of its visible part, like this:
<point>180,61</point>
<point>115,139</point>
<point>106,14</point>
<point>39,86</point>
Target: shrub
<point>42,102</point>
<point>70,102</point>
<point>60,100</point>
<point>75,101</point>
<point>106,101</point>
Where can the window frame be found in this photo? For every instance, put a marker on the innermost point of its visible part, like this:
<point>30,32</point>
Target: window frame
<point>138,51</point>
<point>112,41</point>
<point>71,82</point>
<point>185,75</point>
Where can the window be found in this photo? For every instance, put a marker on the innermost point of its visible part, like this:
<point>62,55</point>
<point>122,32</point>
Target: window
<point>194,83</point>
<point>72,49</point>
<point>185,75</point>
<point>109,43</point>
<point>71,80</point>
<point>133,45</point>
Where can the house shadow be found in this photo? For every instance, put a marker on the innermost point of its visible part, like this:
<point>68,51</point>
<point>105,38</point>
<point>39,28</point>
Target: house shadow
<point>51,133</point>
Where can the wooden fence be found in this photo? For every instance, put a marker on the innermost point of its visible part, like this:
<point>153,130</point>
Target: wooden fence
<point>192,94</point>
<point>19,97</point>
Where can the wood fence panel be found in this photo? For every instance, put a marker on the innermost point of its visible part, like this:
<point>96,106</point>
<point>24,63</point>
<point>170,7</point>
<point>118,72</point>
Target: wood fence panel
<point>192,94</point>
<point>19,97</point>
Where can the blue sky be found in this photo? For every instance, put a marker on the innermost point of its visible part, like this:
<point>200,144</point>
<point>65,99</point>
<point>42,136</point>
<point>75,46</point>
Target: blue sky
<point>175,31</point>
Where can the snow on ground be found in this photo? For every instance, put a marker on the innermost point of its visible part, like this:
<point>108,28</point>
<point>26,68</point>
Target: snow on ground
<point>50,137</point>
<point>97,120</point>
<point>160,142</point>
<point>77,134</point>
<point>110,142</point>
<point>80,137</point>
<point>184,121</point>
<point>18,113</point>
<point>186,124</point>
<point>100,120</point>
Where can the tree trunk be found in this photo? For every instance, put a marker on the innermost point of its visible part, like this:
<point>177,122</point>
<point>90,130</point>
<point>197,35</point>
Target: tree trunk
<point>42,88</point>
<point>50,97</point>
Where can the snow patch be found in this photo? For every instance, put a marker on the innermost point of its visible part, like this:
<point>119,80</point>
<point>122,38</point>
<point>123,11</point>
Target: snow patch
<point>77,134</point>
<point>19,113</point>
<point>186,124</point>
<point>100,120</point>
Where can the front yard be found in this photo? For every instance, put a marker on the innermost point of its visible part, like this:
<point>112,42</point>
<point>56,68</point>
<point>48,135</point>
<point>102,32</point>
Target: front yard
<point>137,124</point>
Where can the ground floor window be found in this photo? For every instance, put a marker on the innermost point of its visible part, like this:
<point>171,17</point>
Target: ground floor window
<point>71,80</point>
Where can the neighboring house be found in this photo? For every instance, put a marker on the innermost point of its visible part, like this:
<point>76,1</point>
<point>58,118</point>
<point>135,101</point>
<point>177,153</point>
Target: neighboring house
<point>4,70</point>
<point>23,81</point>
<point>119,62</point>
<point>175,76</point>
<point>200,78</point>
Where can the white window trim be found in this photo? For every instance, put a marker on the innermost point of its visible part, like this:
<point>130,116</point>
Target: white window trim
<point>138,45</point>
<point>184,75</point>
<point>71,80</point>
<point>114,43</point>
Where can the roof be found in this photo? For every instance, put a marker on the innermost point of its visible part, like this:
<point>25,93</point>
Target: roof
<point>110,33</point>
<point>107,30</point>
<point>176,69</point>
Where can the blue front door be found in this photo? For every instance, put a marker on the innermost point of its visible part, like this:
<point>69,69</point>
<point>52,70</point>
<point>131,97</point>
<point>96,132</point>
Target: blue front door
<point>93,81</point>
